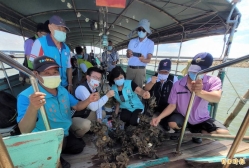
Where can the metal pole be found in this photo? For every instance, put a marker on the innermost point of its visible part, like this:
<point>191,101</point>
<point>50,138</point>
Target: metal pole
<point>6,76</point>
<point>180,49</point>
<point>156,51</point>
<point>238,138</point>
<point>237,109</point>
<point>4,58</point>
<point>185,123</point>
<point>5,160</point>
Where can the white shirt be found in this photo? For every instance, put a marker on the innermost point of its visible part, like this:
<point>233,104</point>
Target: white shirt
<point>175,80</point>
<point>144,47</point>
<point>82,93</point>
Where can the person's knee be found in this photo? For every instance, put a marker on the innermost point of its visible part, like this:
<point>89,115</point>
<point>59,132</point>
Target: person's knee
<point>134,121</point>
<point>220,131</point>
<point>81,128</point>
<point>173,125</point>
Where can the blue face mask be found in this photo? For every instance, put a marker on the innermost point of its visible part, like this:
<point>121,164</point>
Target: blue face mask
<point>192,75</point>
<point>60,35</point>
<point>119,82</point>
<point>80,56</point>
<point>109,48</point>
<point>141,34</point>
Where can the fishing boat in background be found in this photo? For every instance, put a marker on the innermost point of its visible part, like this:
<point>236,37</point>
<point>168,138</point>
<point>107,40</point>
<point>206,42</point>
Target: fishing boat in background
<point>90,22</point>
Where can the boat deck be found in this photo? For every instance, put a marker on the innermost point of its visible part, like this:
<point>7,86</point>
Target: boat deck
<point>88,158</point>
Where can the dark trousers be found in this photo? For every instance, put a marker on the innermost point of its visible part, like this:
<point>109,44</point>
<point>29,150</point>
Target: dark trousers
<point>130,118</point>
<point>72,145</point>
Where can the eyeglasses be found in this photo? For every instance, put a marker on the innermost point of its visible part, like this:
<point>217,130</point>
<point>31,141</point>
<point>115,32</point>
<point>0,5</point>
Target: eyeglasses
<point>141,29</point>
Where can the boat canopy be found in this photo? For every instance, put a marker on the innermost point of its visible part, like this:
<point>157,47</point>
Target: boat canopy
<point>171,20</point>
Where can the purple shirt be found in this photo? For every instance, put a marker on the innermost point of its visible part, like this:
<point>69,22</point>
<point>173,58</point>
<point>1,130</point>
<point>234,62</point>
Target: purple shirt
<point>180,95</point>
<point>28,46</point>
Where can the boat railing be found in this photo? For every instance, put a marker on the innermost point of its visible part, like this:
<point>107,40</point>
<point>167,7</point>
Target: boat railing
<point>244,124</point>
<point>11,62</point>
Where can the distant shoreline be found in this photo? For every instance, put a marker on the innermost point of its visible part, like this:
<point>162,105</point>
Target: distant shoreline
<point>174,62</point>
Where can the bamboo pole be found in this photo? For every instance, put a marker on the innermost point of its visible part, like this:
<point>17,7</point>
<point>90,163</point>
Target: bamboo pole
<point>5,160</point>
<point>238,138</point>
<point>211,136</point>
<point>237,109</point>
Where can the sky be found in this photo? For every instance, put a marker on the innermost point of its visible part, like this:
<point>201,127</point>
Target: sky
<point>213,44</point>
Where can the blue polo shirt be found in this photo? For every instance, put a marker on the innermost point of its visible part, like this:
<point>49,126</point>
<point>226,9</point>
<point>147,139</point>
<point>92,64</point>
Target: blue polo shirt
<point>45,46</point>
<point>58,108</point>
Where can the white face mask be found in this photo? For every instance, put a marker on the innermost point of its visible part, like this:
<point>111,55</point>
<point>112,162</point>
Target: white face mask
<point>94,83</point>
<point>162,77</point>
<point>51,82</point>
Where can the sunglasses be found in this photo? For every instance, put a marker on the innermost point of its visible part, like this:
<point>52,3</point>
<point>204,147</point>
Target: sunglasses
<point>141,29</point>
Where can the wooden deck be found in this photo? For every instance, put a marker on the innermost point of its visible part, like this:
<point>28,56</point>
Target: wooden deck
<point>88,158</point>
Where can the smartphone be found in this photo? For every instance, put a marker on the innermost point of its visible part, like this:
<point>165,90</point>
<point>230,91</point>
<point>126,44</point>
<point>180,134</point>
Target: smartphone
<point>137,54</point>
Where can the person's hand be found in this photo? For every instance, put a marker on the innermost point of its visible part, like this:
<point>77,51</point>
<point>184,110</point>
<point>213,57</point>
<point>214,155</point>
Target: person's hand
<point>155,121</point>
<point>69,88</point>
<point>93,97</point>
<point>110,93</point>
<point>197,86</point>
<point>142,58</point>
<point>113,62</point>
<point>99,120</point>
<point>129,53</point>
<point>146,95</point>
<point>37,100</point>
<point>153,79</point>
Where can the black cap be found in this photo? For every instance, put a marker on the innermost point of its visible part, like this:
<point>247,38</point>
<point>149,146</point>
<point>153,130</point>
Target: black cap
<point>58,21</point>
<point>43,62</point>
<point>201,61</point>
<point>164,65</point>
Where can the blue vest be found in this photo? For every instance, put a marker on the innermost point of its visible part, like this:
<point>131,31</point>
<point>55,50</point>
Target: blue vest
<point>61,58</point>
<point>132,102</point>
<point>57,109</point>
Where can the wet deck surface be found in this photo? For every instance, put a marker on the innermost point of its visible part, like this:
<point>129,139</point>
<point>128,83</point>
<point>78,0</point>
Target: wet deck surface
<point>88,158</point>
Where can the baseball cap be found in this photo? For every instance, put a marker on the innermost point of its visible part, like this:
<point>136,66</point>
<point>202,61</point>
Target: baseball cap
<point>43,63</point>
<point>201,61</point>
<point>58,21</point>
<point>164,65</point>
<point>145,24</point>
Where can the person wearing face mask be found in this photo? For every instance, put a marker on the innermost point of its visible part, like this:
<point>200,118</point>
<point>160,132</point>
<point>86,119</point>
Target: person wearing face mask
<point>110,57</point>
<point>54,46</point>
<point>207,89</point>
<point>94,110</point>
<point>126,94</point>
<point>139,52</point>
<point>160,86</point>
<point>57,102</point>
<point>40,31</point>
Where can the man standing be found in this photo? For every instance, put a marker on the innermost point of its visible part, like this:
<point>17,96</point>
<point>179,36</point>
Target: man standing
<point>160,86</point>
<point>110,57</point>
<point>207,89</point>
<point>92,58</point>
<point>139,52</point>
<point>54,46</point>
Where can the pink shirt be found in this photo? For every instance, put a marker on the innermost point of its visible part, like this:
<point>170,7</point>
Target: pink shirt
<point>180,95</point>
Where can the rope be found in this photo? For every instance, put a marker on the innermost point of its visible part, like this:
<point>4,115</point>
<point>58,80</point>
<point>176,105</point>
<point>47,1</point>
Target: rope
<point>236,90</point>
